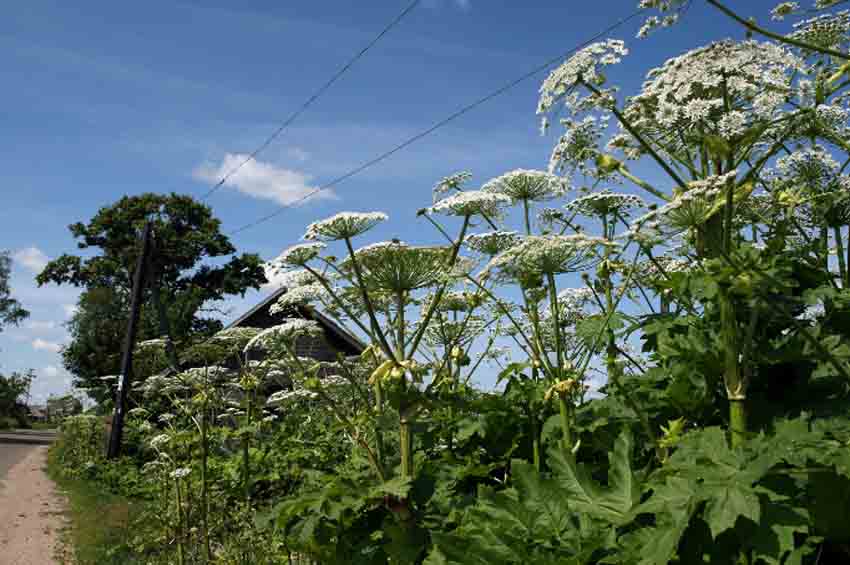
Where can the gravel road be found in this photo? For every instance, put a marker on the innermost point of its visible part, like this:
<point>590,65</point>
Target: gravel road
<point>30,508</point>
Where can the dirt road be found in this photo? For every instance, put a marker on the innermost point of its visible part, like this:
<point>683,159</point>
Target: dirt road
<point>30,508</point>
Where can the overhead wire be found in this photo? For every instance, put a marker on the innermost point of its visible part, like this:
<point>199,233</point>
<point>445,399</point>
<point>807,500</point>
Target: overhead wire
<point>315,96</point>
<point>452,117</point>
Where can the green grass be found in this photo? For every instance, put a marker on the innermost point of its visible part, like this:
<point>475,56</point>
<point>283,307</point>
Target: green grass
<point>100,523</point>
<point>44,426</point>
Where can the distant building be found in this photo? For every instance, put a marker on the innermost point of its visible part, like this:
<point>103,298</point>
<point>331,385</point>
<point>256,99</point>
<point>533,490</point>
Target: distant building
<point>38,412</point>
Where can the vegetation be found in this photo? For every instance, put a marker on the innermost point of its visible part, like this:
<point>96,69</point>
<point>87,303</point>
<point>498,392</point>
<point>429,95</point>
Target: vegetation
<point>13,390</point>
<point>180,281</point>
<point>11,311</point>
<point>714,317</point>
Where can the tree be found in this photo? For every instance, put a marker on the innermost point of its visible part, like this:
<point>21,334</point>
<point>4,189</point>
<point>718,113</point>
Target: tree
<point>11,311</point>
<point>12,389</point>
<point>179,282</point>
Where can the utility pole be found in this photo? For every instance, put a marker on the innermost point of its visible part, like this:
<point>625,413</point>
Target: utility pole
<point>129,342</point>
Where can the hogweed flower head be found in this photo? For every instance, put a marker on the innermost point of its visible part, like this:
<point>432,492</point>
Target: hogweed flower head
<point>529,185</point>
<point>471,203</point>
<point>491,243</point>
<point>289,331</point>
<point>548,254</point>
<point>300,254</point>
<point>344,225</point>
<point>605,203</point>
<point>395,266</point>
<point>449,184</point>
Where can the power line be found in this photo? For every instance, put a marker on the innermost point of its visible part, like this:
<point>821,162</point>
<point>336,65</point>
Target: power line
<point>438,125</point>
<point>312,99</point>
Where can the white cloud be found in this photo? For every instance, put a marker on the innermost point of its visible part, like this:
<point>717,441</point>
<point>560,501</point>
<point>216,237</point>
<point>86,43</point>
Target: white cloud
<point>43,345</point>
<point>51,371</point>
<point>41,326</point>
<point>261,180</point>
<point>70,309</point>
<point>32,258</point>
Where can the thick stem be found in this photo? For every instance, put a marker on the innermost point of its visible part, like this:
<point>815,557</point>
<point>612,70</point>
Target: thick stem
<point>526,214</point>
<point>379,434</point>
<point>736,390</point>
<point>738,422</point>
<point>406,445</point>
<point>566,427</point>
<point>179,532</point>
<point>842,265</point>
<point>204,502</point>
<point>556,316</point>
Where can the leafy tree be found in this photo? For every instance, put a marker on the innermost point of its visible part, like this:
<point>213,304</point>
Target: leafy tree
<point>11,311</point>
<point>179,281</point>
<point>12,389</point>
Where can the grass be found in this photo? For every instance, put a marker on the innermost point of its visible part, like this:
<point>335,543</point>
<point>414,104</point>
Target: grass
<point>100,523</point>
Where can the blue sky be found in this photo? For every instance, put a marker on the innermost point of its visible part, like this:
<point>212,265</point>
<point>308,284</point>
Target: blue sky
<point>102,99</point>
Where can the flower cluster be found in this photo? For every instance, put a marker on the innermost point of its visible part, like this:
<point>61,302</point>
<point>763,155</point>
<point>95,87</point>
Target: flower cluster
<point>549,254</point>
<point>298,255</point>
<point>826,30</point>
<point>451,183</point>
<point>299,296</point>
<point>578,146</point>
<point>720,89</point>
<point>491,243</point>
<point>687,210</point>
<point>526,185</point>
<point>344,225</point>
<point>605,203</point>
<point>289,331</point>
<point>585,66</point>
<point>395,266</point>
<point>471,203</point>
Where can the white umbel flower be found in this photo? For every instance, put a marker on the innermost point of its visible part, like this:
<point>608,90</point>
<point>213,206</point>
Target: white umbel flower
<point>491,243</point>
<point>605,203</point>
<point>344,225</point>
<point>471,203</point>
<point>528,185</point>
<point>449,184</point>
<point>300,254</point>
<point>289,331</point>
<point>548,254</point>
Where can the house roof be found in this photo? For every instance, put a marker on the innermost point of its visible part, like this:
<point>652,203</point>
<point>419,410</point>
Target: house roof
<point>260,313</point>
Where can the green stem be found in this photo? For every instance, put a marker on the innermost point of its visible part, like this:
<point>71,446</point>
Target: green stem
<point>526,215</point>
<point>842,265</point>
<point>564,409</point>
<point>204,502</point>
<point>370,310</point>
<point>553,300</point>
<point>179,522</point>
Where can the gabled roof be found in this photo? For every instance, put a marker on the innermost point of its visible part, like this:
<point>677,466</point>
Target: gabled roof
<point>260,316</point>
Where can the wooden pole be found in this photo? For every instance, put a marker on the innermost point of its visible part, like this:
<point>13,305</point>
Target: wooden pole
<point>129,342</point>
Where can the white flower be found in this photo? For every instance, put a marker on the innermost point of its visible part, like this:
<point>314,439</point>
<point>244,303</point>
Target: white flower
<point>491,243</point>
<point>299,296</point>
<point>450,183</point>
<point>395,266</point>
<point>283,396</point>
<point>585,66</point>
<point>344,225</point>
<point>827,30</point>
<point>547,254</point>
<point>471,203</point>
<point>605,203</point>
<point>180,472</point>
<point>528,185</point>
<point>687,210</point>
<point>289,331</point>
<point>158,441</point>
<point>299,254</point>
